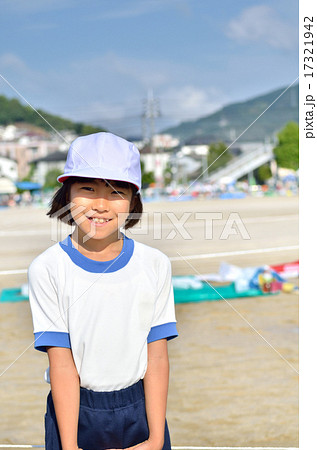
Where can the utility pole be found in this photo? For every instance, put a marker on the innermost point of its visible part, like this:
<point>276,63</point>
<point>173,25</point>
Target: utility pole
<point>151,110</point>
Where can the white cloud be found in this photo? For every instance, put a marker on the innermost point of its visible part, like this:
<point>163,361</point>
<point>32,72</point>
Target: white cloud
<point>19,74</point>
<point>12,61</point>
<point>260,23</point>
<point>190,102</point>
<point>110,89</point>
<point>124,71</point>
<point>144,72</point>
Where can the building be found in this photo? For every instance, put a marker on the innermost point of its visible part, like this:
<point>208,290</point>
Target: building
<point>24,143</point>
<point>55,160</point>
<point>8,168</point>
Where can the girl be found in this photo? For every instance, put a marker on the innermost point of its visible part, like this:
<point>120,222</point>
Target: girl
<point>103,309</point>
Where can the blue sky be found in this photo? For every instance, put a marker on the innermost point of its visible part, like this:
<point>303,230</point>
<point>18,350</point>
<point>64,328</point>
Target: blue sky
<point>96,61</point>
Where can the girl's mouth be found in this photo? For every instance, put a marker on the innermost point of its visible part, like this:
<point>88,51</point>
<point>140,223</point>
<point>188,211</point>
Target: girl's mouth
<point>98,220</point>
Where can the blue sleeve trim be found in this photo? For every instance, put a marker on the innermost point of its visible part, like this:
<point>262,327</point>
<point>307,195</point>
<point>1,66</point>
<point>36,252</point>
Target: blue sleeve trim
<point>166,330</point>
<point>45,339</point>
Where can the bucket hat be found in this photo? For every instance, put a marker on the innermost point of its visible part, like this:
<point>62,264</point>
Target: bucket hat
<point>103,155</point>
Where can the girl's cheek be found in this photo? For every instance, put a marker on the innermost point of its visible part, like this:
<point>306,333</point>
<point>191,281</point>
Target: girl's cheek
<point>77,211</point>
<point>74,214</point>
<point>122,217</point>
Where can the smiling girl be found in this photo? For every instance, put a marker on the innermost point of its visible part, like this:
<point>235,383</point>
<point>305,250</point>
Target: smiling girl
<point>103,309</point>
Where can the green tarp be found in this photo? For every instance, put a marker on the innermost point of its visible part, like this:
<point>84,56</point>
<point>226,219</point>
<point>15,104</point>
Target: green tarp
<point>206,292</point>
<point>182,295</point>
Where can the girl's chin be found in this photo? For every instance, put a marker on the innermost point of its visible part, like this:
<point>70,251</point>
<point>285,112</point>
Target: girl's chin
<point>98,233</point>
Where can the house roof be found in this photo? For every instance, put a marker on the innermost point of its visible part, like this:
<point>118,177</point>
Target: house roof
<point>200,140</point>
<point>52,157</point>
<point>8,158</point>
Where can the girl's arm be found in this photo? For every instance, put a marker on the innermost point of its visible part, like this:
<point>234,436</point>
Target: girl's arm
<point>65,393</point>
<point>155,389</point>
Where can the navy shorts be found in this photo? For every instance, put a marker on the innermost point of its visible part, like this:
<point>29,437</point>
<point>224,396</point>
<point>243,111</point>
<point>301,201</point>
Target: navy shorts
<point>106,420</point>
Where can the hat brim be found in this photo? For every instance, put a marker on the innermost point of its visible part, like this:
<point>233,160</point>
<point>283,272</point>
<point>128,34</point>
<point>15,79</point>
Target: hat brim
<point>62,178</point>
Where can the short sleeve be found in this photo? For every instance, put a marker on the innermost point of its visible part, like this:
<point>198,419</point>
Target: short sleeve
<point>164,321</point>
<point>48,318</point>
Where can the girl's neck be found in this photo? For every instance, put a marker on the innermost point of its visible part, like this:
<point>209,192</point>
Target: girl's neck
<point>98,249</point>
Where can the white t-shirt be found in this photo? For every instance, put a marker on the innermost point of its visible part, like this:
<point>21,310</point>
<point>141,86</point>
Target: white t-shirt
<point>106,312</point>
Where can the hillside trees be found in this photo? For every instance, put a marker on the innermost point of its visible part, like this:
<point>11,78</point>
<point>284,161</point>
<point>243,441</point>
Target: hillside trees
<point>287,150</point>
<point>51,179</point>
<point>147,177</point>
<point>12,111</point>
<point>218,156</point>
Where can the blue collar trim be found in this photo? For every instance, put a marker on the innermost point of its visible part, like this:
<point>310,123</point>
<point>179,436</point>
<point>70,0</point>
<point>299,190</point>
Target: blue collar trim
<point>91,265</point>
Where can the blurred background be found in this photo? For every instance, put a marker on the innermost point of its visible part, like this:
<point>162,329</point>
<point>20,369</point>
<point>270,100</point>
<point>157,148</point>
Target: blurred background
<point>184,80</point>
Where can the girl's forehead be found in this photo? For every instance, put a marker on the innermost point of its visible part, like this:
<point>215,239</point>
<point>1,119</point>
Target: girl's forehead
<point>100,181</point>
<point>108,183</point>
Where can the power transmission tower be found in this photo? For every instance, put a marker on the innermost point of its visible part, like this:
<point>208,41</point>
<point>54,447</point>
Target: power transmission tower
<point>151,110</point>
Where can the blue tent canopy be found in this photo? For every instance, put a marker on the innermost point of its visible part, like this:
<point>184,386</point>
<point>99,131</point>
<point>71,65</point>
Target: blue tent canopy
<point>28,185</point>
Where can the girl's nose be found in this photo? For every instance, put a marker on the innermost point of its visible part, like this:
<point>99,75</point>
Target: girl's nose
<point>101,204</point>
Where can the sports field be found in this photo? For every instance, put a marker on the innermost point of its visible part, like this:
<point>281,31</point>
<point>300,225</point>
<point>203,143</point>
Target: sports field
<point>234,379</point>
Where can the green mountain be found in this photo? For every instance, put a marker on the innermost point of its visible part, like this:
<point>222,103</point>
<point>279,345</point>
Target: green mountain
<point>12,111</point>
<point>232,120</point>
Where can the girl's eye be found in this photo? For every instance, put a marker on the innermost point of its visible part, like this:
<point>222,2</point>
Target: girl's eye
<point>118,192</point>
<point>87,188</point>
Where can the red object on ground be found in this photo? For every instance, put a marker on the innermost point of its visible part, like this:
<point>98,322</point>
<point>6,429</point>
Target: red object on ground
<point>287,270</point>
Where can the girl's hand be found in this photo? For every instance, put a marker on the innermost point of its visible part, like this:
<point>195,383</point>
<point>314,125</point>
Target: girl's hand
<point>146,445</point>
<point>75,448</point>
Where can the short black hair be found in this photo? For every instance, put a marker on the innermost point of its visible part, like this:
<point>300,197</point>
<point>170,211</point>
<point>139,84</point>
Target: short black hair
<point>60,201</point>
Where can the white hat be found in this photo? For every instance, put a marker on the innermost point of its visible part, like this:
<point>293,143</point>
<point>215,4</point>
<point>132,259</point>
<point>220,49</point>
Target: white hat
<point>103,155</point>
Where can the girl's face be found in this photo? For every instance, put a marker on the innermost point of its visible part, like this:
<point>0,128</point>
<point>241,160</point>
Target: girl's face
<point>99,208</point>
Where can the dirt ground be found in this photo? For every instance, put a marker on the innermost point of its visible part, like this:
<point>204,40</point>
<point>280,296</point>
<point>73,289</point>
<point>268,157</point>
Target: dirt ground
<point>233,380</point>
